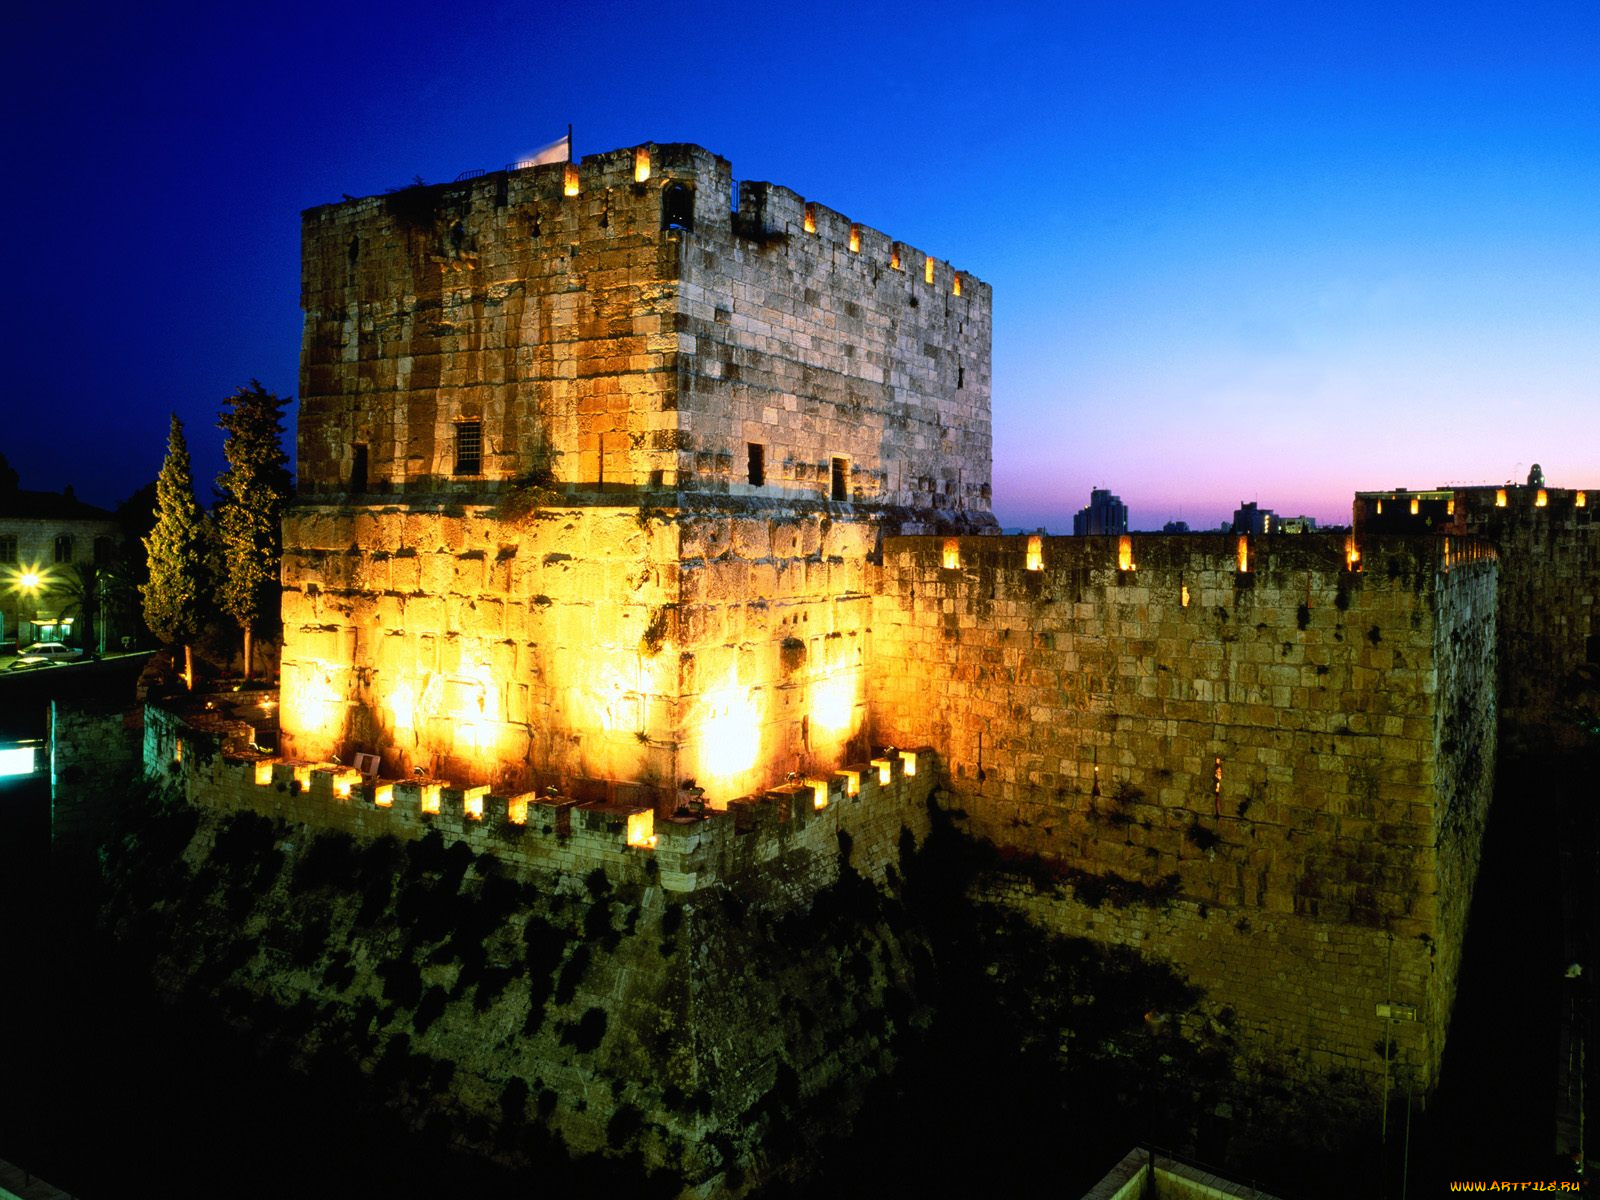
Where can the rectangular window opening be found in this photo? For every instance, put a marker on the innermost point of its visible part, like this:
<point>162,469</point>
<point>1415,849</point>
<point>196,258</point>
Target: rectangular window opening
<point>469,447</point>
<point>811,218</point>
<point>952,554</point>
<point>8,549</point>
<point>855,239</point>
<point>955,284</point>
<point>64,548</point>
<point>641,164</point>
<point>961,378</point>
<point>358,469</point>
<point>1035,553</point>
<point>569,183</point>
<point>927,270</point>
<point>841,479</point>
<point>894,258</point>
<point>757,463</point>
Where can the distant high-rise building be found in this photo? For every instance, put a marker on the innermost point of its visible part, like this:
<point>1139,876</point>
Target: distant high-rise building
<point>1104,513</point>
<point>1247,518</point>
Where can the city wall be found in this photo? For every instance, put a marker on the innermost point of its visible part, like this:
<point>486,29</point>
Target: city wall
<point>1549,593</point>
<point>1260,760</point>
<point>678,991</point>
<point>870,803</point>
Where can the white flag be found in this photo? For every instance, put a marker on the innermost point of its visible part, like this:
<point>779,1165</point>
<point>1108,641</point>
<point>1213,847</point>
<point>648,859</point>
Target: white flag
<point>559,150</point>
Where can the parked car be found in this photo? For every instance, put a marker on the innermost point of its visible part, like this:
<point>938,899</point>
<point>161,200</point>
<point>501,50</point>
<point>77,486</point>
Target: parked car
<point>41,653</point>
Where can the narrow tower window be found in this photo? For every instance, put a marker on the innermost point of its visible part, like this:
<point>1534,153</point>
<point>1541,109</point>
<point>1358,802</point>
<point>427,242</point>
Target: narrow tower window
<point>894,258</point>
<point>841,479</point>
<point>641,164</point>
<point>952,554</point>
<point>469,447</point>
<point>811,218</point>
<point>855,239</point>
<point>569,184</point>
<point>1244,554</point>
<point>1035,553</point>
<point>955,284</point>
<point>358,469</point>
<point>758,463</point>
<point>677,207</point>
<point>927,270</point>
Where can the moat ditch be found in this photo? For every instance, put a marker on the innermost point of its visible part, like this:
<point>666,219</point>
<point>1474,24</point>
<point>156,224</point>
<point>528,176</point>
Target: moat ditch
<point>1037,1062</point>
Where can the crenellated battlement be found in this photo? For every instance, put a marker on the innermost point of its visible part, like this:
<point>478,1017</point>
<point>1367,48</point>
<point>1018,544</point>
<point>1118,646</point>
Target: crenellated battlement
<point>690,849</point>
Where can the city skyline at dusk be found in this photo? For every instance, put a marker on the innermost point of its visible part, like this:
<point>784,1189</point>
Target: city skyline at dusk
<point>1275,255</point>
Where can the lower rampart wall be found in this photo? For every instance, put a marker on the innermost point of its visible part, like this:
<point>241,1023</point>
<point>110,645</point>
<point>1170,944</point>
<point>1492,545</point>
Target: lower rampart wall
<point>1234,747</point>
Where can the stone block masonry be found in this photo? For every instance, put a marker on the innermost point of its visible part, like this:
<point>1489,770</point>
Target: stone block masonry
<point>687,999</point>
<point>1284,763</point>
<point>1548,599</point>
<point>594,463</point>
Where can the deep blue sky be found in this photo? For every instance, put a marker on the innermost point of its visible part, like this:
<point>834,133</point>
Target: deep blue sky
<point>1271,251</point>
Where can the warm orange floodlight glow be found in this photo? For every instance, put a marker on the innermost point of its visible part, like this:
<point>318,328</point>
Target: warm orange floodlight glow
<point>1125,553</point>
<point>569,186</point>
<point>641,164</point>
<point>1415,506</point>
<point>430,797</point>
<point>855,239</point>
<point>833,701</point>
<point>302,774</point>
<point>819,793</point>
<point>1035,553</point>
<point>1541,500</point>
<point>1183,595</point>
<point>263,772</point>
<point>952,554</point>
<point>852,782</point>
<point>344,782</point>
<point>1244,555</point>
<point>403,704</point>
<point>1500,497</point>
<point>383,797</point>
<point>1450,507</point>
<point>1380,508</point>
<point>1581,500</point>
<point>517,810</point>
<point>885,770</point>
<point>909,757</point>
<point>1352,554</point>
<point>731,735</point>
<point>927,270</point>
<point>642,829</point>
<point>955,284</point>
<point>811,219</point>
<point>472,802</point>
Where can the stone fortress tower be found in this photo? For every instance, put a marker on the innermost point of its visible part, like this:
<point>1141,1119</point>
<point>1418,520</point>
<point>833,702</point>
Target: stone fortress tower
<point>623,481</point>
<point>592,460</point>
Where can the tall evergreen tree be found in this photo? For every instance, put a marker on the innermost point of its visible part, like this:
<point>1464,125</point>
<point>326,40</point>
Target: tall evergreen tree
<point>177,551</point>
<point>254,490</point>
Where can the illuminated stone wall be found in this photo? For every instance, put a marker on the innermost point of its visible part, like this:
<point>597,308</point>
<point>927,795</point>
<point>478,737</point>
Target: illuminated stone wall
<point>1549,593</point>
<point>1281,771</point>
<point>696,425</point>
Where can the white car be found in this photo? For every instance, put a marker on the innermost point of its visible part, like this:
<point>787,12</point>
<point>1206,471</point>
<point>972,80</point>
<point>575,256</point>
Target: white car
<point>41,653</point>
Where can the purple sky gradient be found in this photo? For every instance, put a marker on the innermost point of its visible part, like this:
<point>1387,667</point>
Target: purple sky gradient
<point>1272,252</point>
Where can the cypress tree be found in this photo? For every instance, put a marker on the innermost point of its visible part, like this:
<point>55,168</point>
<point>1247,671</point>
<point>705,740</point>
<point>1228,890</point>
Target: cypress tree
<point>176,550</point>
<point>254,490</point>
